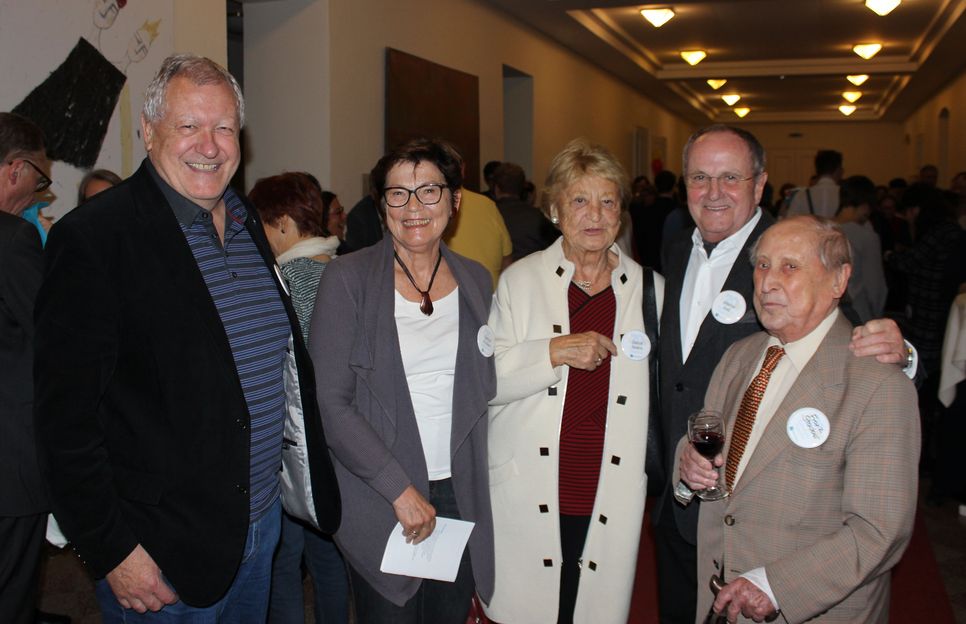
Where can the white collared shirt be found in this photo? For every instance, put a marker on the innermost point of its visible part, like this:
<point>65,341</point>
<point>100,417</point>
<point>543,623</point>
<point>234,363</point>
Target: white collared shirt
<point>704,278</point>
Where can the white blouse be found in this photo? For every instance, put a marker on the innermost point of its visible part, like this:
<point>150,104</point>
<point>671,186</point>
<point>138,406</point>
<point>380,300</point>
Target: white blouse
<point>428,346</point>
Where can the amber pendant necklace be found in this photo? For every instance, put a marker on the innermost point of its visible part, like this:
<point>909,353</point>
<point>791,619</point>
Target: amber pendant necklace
<point>425,304</point>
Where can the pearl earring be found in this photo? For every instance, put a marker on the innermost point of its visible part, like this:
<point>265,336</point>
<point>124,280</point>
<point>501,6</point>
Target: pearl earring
<point>554,220</point>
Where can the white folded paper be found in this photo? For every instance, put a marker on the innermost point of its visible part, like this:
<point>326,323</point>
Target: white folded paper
<point>437,557</point>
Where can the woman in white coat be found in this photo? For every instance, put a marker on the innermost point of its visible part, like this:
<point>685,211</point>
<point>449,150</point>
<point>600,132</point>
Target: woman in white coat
<point>568,426</point>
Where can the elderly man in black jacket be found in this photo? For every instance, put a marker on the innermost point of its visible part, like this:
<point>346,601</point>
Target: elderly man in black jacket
<point>168,357</point>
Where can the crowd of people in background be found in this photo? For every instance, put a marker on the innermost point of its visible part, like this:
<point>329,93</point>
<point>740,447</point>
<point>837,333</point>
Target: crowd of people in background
<point>229,392</point>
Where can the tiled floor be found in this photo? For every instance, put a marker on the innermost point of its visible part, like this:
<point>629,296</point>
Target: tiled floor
<point>67,588</point>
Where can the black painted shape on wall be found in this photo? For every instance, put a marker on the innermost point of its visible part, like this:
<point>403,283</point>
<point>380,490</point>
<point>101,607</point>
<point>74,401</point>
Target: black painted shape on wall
<point>74,105</point>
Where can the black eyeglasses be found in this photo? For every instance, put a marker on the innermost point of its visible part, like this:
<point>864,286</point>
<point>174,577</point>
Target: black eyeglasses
<point>427,194</point>
<point>43,182</point>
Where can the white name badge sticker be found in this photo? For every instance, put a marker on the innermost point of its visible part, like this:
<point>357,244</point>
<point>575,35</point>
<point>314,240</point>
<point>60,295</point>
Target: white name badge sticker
<point>281,280</point>
<point>635,345</point>
<point>808,427</point>
<point>728,307</point>
<point>485,340</point>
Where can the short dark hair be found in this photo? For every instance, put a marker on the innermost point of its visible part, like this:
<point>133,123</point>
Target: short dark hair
<point>510,178</point>
<point>827,162</point>
<point>754,146</point>
<point>898,183</point>
<point>19,137</point>
<point>855,191</point>
<point>434,151</point>
<point>490,168</point>
<point>104,175</point>
<point>664,181</point>
<point>291,194</point>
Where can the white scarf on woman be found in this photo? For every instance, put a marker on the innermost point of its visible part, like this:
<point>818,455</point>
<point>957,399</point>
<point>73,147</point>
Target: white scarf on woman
<point>310,247</point>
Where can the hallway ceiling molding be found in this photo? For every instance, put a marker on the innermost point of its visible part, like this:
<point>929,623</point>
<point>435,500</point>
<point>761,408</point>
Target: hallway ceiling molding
<point>788,59</point>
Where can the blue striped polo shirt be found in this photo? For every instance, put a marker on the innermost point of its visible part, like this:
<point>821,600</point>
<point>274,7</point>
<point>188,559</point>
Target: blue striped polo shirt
<point>243,289</point>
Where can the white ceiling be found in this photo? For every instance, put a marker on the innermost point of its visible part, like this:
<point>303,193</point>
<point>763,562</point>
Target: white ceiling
<point>786,58</point>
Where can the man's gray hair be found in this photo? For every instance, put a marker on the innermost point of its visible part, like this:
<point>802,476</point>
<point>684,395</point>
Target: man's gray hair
<point>834,250</point>
<point>200,71</point>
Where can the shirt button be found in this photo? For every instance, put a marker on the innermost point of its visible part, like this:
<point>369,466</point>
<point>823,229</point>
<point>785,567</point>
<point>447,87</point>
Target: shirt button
<point>729,520</point>
<point>679,387</point>
<point>234,275</point>
<point>241,489</point>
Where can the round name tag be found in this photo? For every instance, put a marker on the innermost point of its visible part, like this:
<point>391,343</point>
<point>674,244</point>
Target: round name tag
<point>485,339</point>
<point>635,345</point>
<point>808,427</point>
<point>728,307</point>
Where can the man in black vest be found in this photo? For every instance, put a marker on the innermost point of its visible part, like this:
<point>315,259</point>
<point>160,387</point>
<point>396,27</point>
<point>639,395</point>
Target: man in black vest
<point>707,308</point>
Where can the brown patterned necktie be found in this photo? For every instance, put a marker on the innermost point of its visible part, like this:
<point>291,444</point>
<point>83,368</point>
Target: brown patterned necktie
<point>747,412</point>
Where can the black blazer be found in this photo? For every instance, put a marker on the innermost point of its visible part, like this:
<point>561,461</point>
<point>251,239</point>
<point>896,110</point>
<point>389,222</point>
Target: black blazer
<point>683,384</point>
<point>21,260</point>
<point>142,423</point>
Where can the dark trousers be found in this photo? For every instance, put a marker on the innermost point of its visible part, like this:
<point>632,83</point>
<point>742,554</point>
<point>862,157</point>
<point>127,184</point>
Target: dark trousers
<point>21,543</point>
<point>436,602</point>
<point>677,571</point>
<point>573,535</point>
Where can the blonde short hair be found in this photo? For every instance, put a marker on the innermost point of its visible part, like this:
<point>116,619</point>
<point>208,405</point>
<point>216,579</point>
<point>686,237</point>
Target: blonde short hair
<point>578,159</point>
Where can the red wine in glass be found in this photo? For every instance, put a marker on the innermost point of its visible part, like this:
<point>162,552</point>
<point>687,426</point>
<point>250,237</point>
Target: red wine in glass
<point>708,443</point>
<point>706,432</point>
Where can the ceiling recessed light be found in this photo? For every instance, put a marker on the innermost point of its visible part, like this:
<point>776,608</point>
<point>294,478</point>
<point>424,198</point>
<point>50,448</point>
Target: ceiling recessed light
<point>693,57</point>
<point>867,50</point>
<point>731,98</point>
<point>716,84</point>
<point>858,79</point>
<point>851,96</point>
<point>657,17</point>
<point>882,7</point>
<point>847,109</point>
<point>742,111</point>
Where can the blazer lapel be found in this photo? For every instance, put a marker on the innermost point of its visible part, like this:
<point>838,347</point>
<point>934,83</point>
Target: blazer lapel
<point>375,357</point>
<point>809,390</point>
<point>671,316</point>
<point>470,379</point>
<point>173,254</point>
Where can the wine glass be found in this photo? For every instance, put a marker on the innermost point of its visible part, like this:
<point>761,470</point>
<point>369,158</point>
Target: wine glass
<point>706,432</point>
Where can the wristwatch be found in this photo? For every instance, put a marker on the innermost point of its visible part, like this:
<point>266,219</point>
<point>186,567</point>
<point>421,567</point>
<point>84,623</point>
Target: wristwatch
<point>682,493</point>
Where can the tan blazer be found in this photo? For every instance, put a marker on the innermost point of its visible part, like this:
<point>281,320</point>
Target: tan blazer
<point>826,523</point>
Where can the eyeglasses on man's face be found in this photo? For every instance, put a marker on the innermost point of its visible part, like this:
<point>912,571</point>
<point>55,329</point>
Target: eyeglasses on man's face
<point>427,194</point>
<point>725,180</point>
<point>43,182</point>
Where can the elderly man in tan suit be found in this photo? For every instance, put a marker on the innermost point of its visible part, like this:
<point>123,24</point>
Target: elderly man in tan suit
<point>821,455</point>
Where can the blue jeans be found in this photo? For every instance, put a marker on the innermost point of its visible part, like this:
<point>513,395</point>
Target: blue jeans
<point>245,602</point>
<point>326,567</point>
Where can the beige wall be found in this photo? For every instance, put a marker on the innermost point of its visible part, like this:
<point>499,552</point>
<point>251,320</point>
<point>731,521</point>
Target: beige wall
<point>923,133</point>
<point>200,26</point>
<point>873,149</point>
<point>292,103</point>
<point>287,92</point>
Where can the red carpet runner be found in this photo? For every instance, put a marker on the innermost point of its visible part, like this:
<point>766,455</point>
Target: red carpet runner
<point>918,594</point>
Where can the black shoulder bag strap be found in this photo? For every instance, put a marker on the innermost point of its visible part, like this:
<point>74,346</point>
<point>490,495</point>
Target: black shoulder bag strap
<point>811,206</point>
<point>654,460</point>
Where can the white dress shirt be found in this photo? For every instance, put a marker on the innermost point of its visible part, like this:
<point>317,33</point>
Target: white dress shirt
<point>825,199</point>
<point>704,278</point>
<point>797,355</point>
